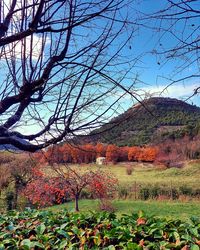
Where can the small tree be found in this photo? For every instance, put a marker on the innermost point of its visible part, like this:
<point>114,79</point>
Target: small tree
<point>103,187</point>
<point>21,173</point>
<point>44,190</point>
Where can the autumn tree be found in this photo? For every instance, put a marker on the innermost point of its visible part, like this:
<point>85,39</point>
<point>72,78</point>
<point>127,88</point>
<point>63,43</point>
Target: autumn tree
<point>62,63</point>
<point>73,180</point>
<point>21,173</point>
<point>103,185</point>
<point>123,153</point>
<point>146,154</point>
<point>44,191</point>
<point>66,153</point>
<point>54,154</point>
<point>89,152</point>
<point>101,150</point>
<point>134,153</point>
<point>172,153</point>
<point>4,178</point>
<point>112,153</point>
<point>17,170</point>
<point>68,182</point>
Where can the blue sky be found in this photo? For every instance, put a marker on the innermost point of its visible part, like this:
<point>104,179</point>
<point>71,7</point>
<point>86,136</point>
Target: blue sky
<point>154,71</point>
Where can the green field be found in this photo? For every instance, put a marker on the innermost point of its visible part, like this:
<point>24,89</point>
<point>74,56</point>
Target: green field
<point>146,174</point>
<point>149,174</point>
<point>167,209</point>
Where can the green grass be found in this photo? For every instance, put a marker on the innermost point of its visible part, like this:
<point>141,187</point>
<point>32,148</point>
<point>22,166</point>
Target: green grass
<point>149,174</point>
<point>168,209</point>
<point>146,174</point>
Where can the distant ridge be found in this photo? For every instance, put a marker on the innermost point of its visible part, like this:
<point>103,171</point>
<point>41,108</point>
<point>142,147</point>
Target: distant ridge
<point>9,147</point>
<point>153,120</point>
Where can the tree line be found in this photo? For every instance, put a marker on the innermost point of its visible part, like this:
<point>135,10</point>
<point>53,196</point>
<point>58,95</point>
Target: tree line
<point>88,153</point>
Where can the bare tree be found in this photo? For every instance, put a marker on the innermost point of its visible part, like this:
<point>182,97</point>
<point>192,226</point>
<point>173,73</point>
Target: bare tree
<point>177,25</point>
<point>62,68</point>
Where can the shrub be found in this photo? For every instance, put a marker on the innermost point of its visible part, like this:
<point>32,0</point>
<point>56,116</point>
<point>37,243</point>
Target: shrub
<point>106,205</point>
<point>184,190</point>
<point>174,194</point>
<point>129,169</point>
<point>63,230</point>
<point>155,191</point>
<point>196,193</point>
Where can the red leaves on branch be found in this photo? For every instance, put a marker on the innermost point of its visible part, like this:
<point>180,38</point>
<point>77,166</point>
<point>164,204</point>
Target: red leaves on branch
<point>44,191</point>
<point>103,185</point>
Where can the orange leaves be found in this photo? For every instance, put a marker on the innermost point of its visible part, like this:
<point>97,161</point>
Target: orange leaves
<point>141,221</point>
<point>134,153</point>
<point>147,154</point>
<point>103,185</point>
<point>112,153</point>
<point>100,150</point>
<point>45,191</point>
<point>88,153</point>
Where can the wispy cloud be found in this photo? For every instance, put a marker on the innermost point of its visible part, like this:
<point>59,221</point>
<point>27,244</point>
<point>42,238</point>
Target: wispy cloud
<point>28,46</point>
<point>31,46</point>
<point>175,91</point>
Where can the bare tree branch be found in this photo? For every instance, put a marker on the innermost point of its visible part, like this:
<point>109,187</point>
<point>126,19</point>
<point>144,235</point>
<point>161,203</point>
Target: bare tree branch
<point>62,68</point>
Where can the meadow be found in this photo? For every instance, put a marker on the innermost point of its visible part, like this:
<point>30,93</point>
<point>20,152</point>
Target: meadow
<point>148,175</point>
<point>145,173</point>
<point>162,209</point>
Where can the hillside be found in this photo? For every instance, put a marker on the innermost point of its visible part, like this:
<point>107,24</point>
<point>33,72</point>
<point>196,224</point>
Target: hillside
<point>153,120</point>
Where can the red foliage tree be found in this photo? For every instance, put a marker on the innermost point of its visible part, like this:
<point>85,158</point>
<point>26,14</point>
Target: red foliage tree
<point>123,154</point>
<point>103,185</point>
<point>112,153</point>
<point>66,153</point>
<point>101,150</point>
<point>45,191</point>
<point>146,154</point>
<point>54,155</point>
<point>134,153</point>
<point>89,153</point>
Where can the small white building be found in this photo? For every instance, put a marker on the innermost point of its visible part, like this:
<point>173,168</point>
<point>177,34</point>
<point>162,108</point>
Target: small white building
<point>101,160</point>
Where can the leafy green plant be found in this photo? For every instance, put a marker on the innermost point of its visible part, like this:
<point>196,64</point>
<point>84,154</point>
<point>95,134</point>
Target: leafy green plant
<point>9,200</point>
<point>63,230</point>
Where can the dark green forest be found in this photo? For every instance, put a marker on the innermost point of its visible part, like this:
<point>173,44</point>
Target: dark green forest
<point>153,120</point>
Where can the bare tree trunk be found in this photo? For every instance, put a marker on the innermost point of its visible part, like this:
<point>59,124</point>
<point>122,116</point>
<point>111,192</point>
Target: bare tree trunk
<point>15,198</point>
<point>76,202</point>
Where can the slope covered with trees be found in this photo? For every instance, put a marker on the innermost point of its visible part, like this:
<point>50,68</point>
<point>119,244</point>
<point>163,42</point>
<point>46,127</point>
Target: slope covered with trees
<point>153,120</point>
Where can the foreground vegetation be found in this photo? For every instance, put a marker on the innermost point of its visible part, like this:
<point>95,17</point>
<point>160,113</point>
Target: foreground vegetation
<point>47,230</point>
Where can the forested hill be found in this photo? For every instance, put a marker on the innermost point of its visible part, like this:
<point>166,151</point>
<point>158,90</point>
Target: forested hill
<point>153,120</point>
